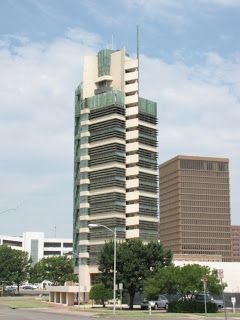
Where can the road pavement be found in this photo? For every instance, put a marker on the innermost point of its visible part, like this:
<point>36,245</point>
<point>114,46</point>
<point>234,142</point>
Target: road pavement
<point>7,313</point>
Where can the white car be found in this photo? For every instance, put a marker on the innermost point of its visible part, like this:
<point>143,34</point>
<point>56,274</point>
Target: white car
<point>158,302</point>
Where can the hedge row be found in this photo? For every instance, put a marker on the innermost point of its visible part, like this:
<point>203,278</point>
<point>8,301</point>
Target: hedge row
<point>191,306</point>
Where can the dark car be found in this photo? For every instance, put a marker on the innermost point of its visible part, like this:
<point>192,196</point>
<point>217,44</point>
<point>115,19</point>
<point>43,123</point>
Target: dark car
<point>28,287</point>
<point>157,302</point>
<point>200,298</point>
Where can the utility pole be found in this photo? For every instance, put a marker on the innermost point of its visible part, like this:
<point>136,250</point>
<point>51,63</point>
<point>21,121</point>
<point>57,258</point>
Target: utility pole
<point>204,281</point>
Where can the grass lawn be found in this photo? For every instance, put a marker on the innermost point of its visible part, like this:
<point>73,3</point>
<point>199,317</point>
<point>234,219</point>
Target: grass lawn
<point>155,314</point>
<point>129,313</point>
<point>20,302</point>
<point>221,314</point>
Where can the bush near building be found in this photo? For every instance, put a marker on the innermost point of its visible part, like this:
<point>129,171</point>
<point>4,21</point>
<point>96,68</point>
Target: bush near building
<point>100,293</point>
<point>191,306</point>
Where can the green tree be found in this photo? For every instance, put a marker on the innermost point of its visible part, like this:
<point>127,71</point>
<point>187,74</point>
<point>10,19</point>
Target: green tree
<point>100,293</point>
<point>135,262</point>
<point>22,267</point>
<point>55,269</point>
<point>15,265</point>
<point>185,280</point>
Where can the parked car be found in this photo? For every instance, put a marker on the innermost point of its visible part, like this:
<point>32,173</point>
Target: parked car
<point>29,286</point>
<point>200,298</point>
<point>158,302</point>
<point>10,289</point>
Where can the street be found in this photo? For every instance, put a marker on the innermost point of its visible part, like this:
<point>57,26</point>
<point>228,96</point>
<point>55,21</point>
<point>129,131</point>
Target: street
<point>7,313</point>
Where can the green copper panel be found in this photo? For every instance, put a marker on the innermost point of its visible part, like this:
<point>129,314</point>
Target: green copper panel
<point>83,152</point>
<point>84,116</point>
<point>78,100</point>
<point>106,99</point>
<point>148,106</point>
<point>104,61</point>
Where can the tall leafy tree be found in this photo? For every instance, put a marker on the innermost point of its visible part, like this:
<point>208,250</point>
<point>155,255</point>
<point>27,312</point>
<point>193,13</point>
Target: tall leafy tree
<point>185,280</point>
<point>15,265</point>
<point>55,269</point>
<point>22,267</point>
<point>135,262</point>
<point>6,256</point>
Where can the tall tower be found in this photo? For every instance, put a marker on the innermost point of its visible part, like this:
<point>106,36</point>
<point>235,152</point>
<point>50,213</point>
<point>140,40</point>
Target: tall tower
<point>195,206</point>
<point>115,158</point>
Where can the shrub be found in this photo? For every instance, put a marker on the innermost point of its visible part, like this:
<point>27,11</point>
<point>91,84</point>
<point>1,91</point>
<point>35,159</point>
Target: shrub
<point>100,294</point>
<point>191,306</point>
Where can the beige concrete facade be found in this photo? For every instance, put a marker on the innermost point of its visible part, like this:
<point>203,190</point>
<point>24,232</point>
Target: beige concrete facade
<point>62,294</point>
<point>195,206</point>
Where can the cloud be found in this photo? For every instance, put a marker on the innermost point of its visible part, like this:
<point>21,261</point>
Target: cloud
<point>198,114</point>
<point>84,37</point>
<point>227,3</point>
<point>198,109</point>
<point>176,14</point>
<point>37,84</point>
<point>166,11</point>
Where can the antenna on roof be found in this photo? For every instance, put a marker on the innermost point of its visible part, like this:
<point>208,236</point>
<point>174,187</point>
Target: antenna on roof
<point>138,59</point>
<point>138,42</point>
<point>112,42</point>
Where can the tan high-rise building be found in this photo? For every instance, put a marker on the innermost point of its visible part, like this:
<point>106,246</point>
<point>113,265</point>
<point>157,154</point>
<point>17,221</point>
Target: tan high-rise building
<point>235,233</point>
<point>115,159</point>
<point>195,207</point>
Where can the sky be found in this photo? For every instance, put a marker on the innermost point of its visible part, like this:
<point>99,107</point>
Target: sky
<point>189,65</point>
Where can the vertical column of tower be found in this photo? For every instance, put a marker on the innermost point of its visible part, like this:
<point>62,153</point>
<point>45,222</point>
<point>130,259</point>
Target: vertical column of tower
<point>84,185</point>
<point>107,154</point>
<point>107,169</point>
<point>132,157</point>
<point>81,180</point>
<point>141,160</point>
<point>76,187</point>
<point>148,173</point>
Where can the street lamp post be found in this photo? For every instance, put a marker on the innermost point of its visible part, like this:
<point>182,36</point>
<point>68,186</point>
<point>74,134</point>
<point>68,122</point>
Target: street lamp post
<point>204,281</point>
<point>79,280</point>
<point>221,276</point>
<point>114,232</point>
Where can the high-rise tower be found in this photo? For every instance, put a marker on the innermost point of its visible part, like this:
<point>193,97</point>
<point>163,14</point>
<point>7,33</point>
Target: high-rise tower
<point>115,158</point>
<point>195,206</point>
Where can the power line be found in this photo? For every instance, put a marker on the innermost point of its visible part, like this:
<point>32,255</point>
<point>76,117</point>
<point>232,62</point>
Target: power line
<point>10,209</point>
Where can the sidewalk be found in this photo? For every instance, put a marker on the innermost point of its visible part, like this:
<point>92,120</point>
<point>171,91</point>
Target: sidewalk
<point>58,308</point>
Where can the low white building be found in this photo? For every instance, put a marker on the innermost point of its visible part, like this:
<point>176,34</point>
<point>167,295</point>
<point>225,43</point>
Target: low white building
<point>37,245</point>
<point>231,271</point>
